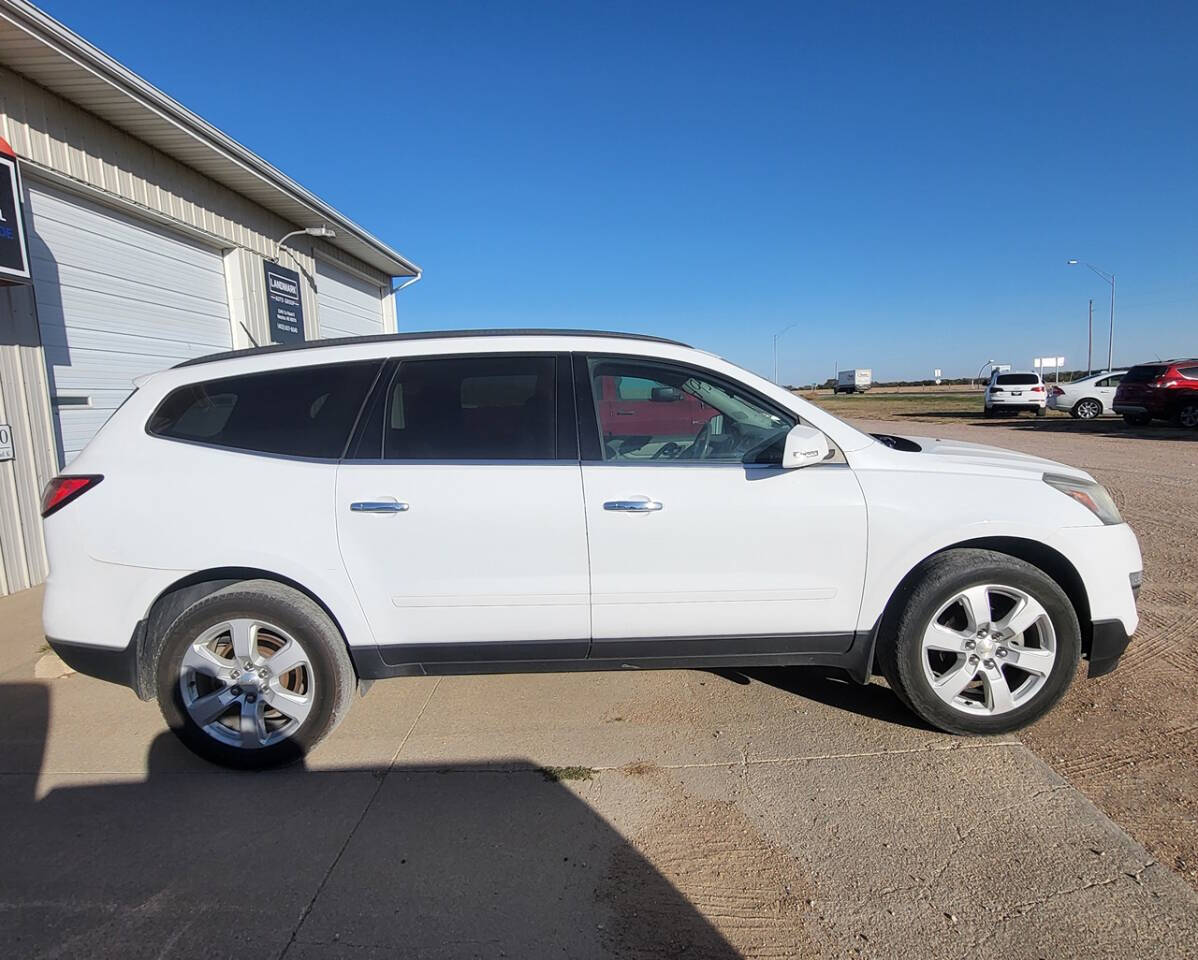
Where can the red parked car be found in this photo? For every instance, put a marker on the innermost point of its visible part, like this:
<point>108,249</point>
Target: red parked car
<point>1167,390</point>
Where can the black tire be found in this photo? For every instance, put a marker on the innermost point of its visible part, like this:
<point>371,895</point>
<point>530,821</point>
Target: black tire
<point>1187,416</point>
<point>1040,411</point>
<point>899,656</point>
<point>988,412</point>
<point>1137,419</point>
<point>1086,409</point>
<point>293,612</point>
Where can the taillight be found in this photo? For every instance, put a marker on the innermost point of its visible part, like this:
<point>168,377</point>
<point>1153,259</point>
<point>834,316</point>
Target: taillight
<point>996,389</point>
<point>1163,382</point>
<point>1057,392</point>
<point>1039,389</point>
<point>62,490</point>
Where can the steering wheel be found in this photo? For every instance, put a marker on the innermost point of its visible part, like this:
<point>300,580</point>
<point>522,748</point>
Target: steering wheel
<point>667,451</point>
<point>701,445</point>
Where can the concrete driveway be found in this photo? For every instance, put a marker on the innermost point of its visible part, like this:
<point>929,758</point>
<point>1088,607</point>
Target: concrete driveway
<point>781,814</point>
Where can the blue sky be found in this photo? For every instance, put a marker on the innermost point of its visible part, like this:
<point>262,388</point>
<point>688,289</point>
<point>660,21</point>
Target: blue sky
<point>904,182</point>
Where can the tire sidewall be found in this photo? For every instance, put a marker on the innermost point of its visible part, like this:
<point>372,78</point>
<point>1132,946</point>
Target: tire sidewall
<point>926,602</point>
<point>234,603</point>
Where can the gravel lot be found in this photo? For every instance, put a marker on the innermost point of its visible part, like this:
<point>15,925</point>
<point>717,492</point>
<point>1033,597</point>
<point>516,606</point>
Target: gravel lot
<point>1126,740</point>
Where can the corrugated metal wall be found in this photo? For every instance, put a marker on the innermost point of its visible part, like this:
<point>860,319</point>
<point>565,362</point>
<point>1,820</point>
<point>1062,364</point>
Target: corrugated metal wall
<point>66,147</point>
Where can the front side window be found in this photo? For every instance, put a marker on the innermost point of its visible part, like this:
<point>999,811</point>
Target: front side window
<point>472,408</point>
<point>298,412</point>
<point>649,411</point>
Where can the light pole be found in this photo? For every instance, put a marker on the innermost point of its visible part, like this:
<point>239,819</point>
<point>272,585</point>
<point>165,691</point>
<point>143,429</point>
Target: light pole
<point>988,363</point>
<point>776,336</point>
<point>1109,278</point>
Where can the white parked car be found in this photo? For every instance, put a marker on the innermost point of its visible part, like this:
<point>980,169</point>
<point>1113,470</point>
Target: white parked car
<point>254,536</point>
<point>1011,392</point>
<point>1088,397</point>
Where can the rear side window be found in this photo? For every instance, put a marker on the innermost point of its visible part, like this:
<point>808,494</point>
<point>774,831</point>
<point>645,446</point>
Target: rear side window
<point>1190,373</point>
<point>1016,379</point>
<point>299,412</point>
<point>472,408</point>
<point>1143,374</point>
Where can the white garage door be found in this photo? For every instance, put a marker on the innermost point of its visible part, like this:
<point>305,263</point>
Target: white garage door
<point>348,306</point>
<point>116,298</point>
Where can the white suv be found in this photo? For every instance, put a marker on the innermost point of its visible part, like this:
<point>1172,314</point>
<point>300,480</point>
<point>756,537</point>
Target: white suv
<point>254,535</point>
<point>1009,392</point>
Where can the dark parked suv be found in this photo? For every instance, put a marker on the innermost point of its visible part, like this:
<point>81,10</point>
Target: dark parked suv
<point>1167,390</point>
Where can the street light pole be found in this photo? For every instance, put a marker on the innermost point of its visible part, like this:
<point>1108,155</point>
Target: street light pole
<point>1090,341</point>
<point>776,336</point>
<point>1109,278</point>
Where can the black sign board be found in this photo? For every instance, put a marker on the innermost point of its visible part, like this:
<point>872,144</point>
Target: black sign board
<point>14,254</point>
<point>283,304</point>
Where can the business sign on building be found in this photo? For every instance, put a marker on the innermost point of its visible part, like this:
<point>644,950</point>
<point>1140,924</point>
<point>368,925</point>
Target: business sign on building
<point>14,252</point>
<point>283,305</point>
<point>5,442</point>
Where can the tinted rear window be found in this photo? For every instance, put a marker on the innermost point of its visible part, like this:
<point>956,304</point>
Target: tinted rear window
<point>1145,373</point>
<point>300,412</point>
<point>1014,379</point>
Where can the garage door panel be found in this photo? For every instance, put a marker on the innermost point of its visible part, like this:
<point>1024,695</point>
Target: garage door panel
<point>58,217</point>
<point>117,298</point>
<point>162,289</point>
<point>348,306</point>
<point>81,307</point>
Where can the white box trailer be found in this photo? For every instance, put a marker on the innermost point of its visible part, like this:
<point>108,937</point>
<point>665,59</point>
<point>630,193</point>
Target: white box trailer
<point>853,381</point>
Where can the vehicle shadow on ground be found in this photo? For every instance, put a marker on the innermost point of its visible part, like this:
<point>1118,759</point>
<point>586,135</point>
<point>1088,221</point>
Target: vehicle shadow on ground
<point>1102,427</point>
<point>831,687</point>
<point>414,860</point>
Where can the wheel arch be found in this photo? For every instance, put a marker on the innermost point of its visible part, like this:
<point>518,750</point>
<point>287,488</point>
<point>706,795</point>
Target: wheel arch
<point>180,595</point>
<point>1039,555</point>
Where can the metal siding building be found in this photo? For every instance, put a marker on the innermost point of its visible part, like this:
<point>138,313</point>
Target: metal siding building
<point>148,230</point>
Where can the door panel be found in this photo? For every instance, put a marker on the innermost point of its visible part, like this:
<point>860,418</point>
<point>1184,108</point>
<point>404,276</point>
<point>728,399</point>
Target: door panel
<point>463,522</point>
<point>733,551</point>
<point>483,552</point>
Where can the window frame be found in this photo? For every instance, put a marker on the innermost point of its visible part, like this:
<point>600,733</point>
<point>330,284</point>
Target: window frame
<point>590,438</point>
<point>566,435</point>
<point>379,362</point>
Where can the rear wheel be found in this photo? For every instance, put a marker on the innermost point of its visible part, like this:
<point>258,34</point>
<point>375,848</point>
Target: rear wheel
<point>1187,416</point>
<point>986,644</point>
<point>1137,419</point>
<point>253,675</point>
<point>1040,411</point>
<point>1087,409</point>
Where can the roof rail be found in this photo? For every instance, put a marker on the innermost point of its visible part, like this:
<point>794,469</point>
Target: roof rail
<point>422,335</point>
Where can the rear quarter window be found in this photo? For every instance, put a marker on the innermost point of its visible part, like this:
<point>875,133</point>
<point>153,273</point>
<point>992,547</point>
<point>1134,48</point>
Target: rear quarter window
<point>299,412</point>
<point>1144,373</point>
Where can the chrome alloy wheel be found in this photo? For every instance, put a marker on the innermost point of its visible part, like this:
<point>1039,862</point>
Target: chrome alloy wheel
<point>247,683</point>
<point>989,649</point>
<point>1089,409</point>
<point>1188,415</point>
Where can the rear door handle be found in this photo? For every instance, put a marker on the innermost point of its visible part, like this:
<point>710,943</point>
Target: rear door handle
<point>640,505</point>
<point>378,506</point>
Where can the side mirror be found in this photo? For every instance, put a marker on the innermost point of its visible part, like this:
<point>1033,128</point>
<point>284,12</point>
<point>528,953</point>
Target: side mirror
<point>665,394</point>
<point>804,446</point>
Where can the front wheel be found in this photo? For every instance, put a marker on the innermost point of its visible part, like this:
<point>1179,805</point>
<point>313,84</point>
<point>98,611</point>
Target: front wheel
<point>986,643</point>
<point>253,675</point>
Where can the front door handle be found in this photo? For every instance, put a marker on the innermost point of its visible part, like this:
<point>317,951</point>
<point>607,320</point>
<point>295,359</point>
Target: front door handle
<point>640,505</point>
<point>378,506</point>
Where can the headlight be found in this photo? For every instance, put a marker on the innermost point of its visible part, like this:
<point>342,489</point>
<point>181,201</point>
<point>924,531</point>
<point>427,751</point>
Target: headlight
<point>1092,496</point>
